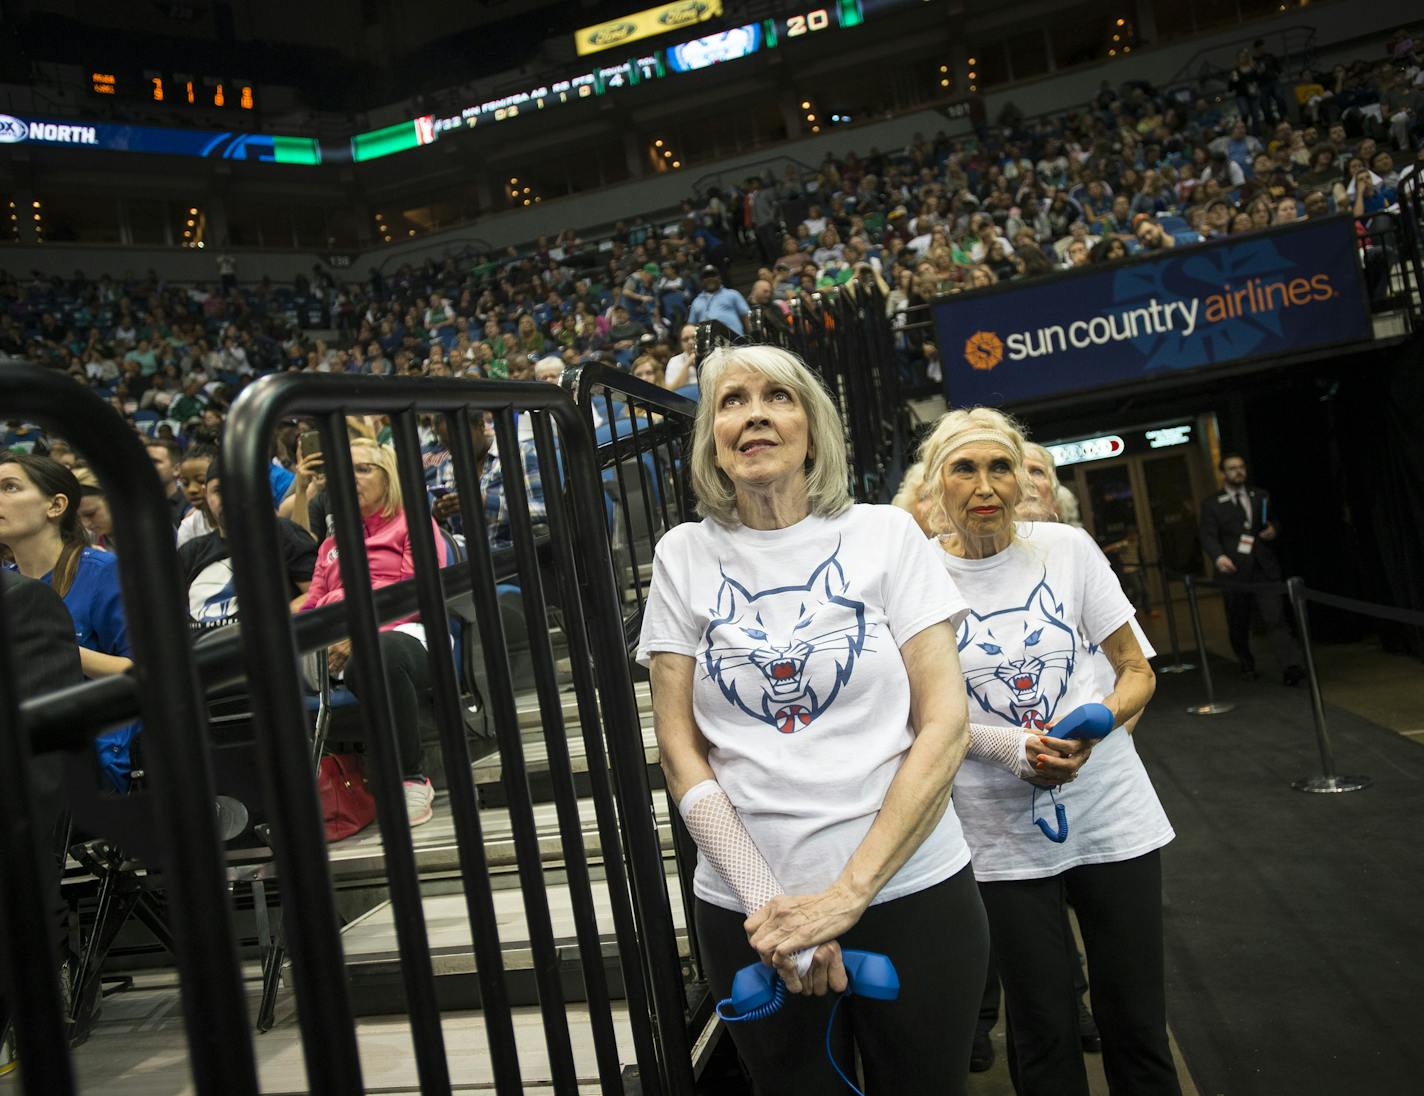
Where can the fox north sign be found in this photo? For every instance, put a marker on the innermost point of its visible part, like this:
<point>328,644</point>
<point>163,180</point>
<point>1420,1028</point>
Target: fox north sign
<point>1232,300</point>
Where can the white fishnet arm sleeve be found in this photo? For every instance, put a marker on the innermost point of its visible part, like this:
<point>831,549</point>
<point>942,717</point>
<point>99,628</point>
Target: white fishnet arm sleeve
<point>720,836</point>
<point>1002,746</point>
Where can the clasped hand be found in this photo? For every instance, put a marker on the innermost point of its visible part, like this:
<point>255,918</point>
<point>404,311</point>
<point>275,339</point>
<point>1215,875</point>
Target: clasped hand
<point>789,923</point>
<point>1056,761</point>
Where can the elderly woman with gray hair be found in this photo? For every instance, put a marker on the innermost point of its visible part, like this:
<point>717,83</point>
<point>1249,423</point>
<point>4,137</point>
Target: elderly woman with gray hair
<point>1049,812</point>
<point>811,720</point>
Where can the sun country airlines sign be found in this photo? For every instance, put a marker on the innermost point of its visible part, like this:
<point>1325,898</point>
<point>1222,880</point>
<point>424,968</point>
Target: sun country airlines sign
<point>1232,300</point>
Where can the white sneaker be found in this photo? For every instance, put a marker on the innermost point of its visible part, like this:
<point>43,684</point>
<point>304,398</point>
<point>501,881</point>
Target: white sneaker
<point>419,801</point>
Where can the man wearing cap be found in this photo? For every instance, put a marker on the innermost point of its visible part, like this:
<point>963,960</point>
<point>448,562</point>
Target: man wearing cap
<point>639,293</point>
<point>716,302</point>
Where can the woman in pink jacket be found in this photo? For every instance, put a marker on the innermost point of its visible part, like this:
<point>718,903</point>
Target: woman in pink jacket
<point>403,642</point>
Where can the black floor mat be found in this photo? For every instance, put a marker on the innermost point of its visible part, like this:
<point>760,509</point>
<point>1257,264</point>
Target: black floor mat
<point>1294,964</point>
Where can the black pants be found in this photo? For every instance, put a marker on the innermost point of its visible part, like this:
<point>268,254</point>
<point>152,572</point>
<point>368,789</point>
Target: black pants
<point>917,1044</point>
<point>408,679</point>
<point>1239,605</point>
<point>989,1004</point>
<point>1119,909</point>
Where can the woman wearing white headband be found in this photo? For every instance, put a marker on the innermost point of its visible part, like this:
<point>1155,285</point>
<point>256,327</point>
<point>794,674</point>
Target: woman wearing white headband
<point>1049,817</point>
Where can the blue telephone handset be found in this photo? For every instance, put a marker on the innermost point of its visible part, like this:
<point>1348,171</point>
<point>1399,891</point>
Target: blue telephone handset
<point>1084,721</point>
<point>758,992</point>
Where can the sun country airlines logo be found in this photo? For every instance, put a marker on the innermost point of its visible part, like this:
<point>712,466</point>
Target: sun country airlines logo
<point>983,350</point>
<point>1259,299</point>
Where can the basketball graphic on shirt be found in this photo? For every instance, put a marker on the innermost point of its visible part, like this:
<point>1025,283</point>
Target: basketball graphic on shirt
<point>983,350</point>
<point>781,655</point>
<point>1018,661</point>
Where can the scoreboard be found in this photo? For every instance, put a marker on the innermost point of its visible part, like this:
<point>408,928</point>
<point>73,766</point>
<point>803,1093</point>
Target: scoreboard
<point>175,89</point>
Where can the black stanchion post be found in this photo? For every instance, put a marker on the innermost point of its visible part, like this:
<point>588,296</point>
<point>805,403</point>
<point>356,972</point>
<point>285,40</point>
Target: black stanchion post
<point>1328,781</point>
<point>1176,666</point>
<point>1212,706</point>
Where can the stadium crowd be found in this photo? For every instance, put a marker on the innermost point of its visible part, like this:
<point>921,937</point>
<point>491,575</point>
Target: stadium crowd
<point>1136,170</point>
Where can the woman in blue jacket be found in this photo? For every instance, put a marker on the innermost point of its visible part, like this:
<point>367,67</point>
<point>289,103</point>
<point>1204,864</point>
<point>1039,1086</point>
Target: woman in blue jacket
<point>39,523</point>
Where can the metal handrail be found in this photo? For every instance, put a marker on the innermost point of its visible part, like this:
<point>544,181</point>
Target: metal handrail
<point>318,973</point>
<point>1185,75</point>
<point>177,806</point>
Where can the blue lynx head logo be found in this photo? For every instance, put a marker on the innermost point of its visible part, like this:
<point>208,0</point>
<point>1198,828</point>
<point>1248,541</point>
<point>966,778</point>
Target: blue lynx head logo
<point>782,655</point>
<point>1018,661</point>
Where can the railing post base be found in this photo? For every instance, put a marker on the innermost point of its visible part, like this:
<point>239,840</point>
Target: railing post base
<point>1328,785</point>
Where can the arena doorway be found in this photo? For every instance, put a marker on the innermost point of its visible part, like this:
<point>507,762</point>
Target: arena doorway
<point>1139,490</point>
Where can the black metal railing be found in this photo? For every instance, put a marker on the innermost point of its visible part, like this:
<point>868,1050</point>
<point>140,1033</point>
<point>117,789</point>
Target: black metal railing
<point>171,822</point>
<point>644,437</point>
<point>566,461</point>
<point>844,334</point>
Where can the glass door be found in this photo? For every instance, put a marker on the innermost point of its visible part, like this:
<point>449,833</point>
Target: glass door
<point>1114,517</point>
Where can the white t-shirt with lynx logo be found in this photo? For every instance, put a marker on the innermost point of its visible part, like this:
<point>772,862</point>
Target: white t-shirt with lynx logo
<point>1029,650</point>
<point>799,685</point>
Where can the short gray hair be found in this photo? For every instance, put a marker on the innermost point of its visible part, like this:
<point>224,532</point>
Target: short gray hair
<point>827,474</point>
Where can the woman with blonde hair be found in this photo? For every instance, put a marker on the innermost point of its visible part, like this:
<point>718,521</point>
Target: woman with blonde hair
<point>810,723</point>
<point>1044,822</point>
<point>403,642</point>
<point>911,495</point>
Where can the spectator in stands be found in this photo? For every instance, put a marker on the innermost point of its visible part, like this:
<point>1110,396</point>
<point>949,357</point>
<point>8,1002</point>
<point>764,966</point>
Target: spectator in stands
<point>1268,67</point>
<point>1030,262</point>
<point>1119,219</point>
<point>1108,250</point>
<point>624,332</point>
<point>648,370</point>
<point>192,477</point>
<point>716,302</point>
<point>94,512</point>
<point>39,524</point>
<point>190,403</point>
<point>1150,236</point>
<point>166,456</point>
<point>205,561</point>
<point>448,506</point>
<point>863,836</point>
<point>1316,205</point>
<point>1244,83</point>
<point>639,292</point>
<point>682,367</point>
<point>404,642</point>
<point>974,469</point>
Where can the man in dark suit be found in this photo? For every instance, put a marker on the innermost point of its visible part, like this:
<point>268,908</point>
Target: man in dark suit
<point>1239,532</point>
<point>43,657</point>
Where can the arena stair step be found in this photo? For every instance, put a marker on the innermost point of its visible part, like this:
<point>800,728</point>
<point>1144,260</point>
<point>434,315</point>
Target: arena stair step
<point>362,856</point>
<point>138,1047</point>
<point>374,966</point>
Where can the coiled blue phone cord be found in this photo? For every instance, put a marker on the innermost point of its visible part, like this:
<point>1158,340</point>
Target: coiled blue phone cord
<point>778,998</point>
<point>1061,834</point>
